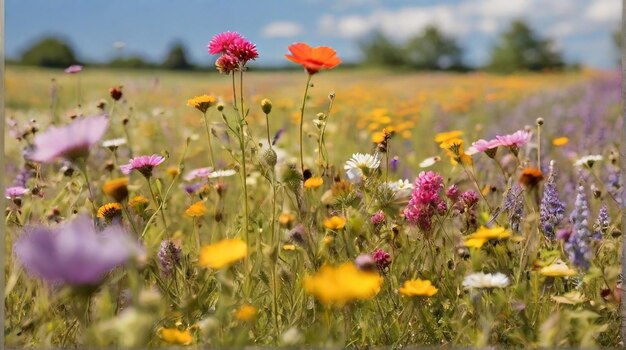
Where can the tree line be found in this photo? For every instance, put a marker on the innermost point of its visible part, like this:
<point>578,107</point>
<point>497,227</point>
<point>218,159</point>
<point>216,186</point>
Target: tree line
<point>518,48</point>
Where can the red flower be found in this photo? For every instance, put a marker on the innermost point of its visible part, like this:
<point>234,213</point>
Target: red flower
<point>313,59</point>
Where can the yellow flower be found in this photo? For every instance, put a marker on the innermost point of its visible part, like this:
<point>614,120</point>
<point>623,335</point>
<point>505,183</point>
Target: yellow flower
<point>196,210</point>
<point>418,288</point>
<point>289,247</point>
<point>202,103</point>
<point>557,269</point>
<point>138,202</point>
<point>109,211</point>
<point>480,237</point>
<point>313,182</point>
<point>328,239</point>
<point>285,219</point>
<point>116,188</point>
<point>173,171</point>
<point>174,336</point>
<point>335,223</point>
<point>378,137</point>
<point>342,284</point>
<point>449,135</point>
<point>560,141</point>
<point>245,313</point>
<point>223,253</point>
<point>571,298</point>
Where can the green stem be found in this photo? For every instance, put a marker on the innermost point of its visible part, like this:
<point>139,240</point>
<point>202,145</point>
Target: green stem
<point>82,165</point>
<point>208,135</point>
<point>306,91</point>
<point>130,219</point>
<point>275,238</point>
<point>159,206</point>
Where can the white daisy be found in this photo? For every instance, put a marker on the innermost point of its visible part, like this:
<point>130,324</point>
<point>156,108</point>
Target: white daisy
<point>114,143</point>
<point>429,161</point>
<point>486,280</point>
<point>401,189</point>
<point>360,164</point>
<point>588,161</point>
<point>221,173</point>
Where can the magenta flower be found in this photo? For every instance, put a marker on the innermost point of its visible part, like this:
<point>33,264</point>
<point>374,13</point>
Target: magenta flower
<point>71,141</point>
<point>425,200</point>
<point>143,164</point>
<point>15,192</point>
<point>227,64</point>
<point>74,253</point>
<point>483,145</point>
<point>382,258</point>
<point>378,218</point>
<point>244,50</point>
<point>223,42</point>
<point>516,139</point>
<point>73,69</point>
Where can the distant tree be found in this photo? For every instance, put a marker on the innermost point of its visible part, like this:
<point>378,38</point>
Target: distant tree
<point>177,58</point>
<point>378,50</point>
<point>433,50</point>
<point>520,48</point>
<point>132,62</point>
<point>49,52</point>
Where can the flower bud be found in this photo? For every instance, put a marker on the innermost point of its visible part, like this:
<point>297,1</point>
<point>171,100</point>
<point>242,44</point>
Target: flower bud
<point>539,121</point>
<point>116,93</point>
<point>220,107</point>
<point>270,157</point>
<point>266,106</point>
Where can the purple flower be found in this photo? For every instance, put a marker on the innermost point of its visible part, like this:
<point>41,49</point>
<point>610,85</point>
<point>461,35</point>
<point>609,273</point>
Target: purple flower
<point>378,218</point>
<point>603,222</point>
<point>365,262</point>
<point>200,172</point>
<point>516,139</point>
<point>15,192</point>
<point>73,69</point>
<point>168,257</point>
<point>578,244</point>
<point>382,258</point>
<point>277,136</point>
<point>74,253</point>
<point>143,164</point>
<point>552,210</point>
<point>453,193</point>
<point>489,147</point>
<point>193,187</point>
<point>71,141</point>
<point>425,200</point>
<point>514,206</point>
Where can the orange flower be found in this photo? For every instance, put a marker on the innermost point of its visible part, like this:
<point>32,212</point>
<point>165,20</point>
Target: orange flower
<point>313,59</point>
<point>530,177</point>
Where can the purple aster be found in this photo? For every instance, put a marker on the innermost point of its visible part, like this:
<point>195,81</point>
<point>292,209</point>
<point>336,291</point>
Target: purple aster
<point>578,246</point>
<point>193,187</point>
<point>73,69</point>
<point>168,257</point>
<point>552,210</point>
<point>365,262</point>
<point>143,164</point>
<point>74,253</point>
<point>71,141</point>
<point>15,192</point>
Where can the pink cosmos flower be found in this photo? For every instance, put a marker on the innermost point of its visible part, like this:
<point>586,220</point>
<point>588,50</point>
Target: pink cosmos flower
<point>484,145</point>
<point>73,69</point>
<point>15,192</point>
<point>143,164</point>
<point>71,141</point>
<point>198,173</point>
<point>517,139</point>
<point>222,42</point>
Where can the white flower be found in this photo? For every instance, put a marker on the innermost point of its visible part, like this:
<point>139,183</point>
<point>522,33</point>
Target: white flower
<point>114,143</point>
<point>486,280</point>
<point>587,161</point>
<point>221,173</point>
<point>429,161</point>
<point>359,164</point>
<point>200,172</point>
<point>401,189</point>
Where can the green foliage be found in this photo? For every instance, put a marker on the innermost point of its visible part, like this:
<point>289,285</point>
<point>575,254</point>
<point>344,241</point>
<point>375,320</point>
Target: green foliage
<point>132,62</point>
<point>379,50</point>
<point>520,49</point>
<point>176,58</point>
<point>433,50</point>
<point>49,52</point>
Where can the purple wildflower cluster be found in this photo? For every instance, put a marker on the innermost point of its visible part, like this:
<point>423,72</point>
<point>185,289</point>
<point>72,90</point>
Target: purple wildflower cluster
<point>382,259</point>
<point>578,243</point>
<point>552,210</point>
<point>513,203</point>
<point>168,257</point>
<point>425,200</point>
<point>601,226</point>
<point>377,219</point>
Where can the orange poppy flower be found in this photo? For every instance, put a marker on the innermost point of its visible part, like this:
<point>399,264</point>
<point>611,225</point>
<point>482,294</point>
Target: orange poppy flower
<point>313,59</point>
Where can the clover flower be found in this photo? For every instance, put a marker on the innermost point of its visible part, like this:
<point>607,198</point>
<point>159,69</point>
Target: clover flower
<point>425,200</point>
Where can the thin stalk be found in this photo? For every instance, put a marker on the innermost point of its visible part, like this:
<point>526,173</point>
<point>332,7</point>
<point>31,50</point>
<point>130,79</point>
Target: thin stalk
<point>306,91</point>
<point>82,165</point>
<point>538,146</point>
<point>130,219</point>
<point>154,198</point>
<point>242,145</point>
<point>275,239</point>
<point>208,136</point>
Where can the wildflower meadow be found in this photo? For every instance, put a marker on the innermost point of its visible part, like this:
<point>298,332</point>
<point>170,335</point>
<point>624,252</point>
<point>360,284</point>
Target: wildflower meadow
<point>315,208</point>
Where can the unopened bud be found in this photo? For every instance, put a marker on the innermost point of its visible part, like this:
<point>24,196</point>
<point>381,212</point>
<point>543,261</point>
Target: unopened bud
<point>266,106</point>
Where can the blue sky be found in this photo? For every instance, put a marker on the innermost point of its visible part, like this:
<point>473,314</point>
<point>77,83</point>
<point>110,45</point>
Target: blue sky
<point>581,28</point>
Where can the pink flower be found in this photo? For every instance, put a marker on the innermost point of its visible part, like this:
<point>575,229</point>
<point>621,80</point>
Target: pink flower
<point>425,200</point>
<point>71,141</point>
<point>200,172</point>
<point>15,192</point>
<point>483,145</point>
<point>378,218</point>
<point>382,258</point>
<point>73,69</point>
<point>222,42</point>
<point>244,50</point>
<point>226,64</point>
<point>517,139</point>
<point>143,164</point>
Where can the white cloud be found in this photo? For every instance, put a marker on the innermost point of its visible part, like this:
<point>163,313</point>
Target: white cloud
<point>282,29</point>
<point>604,10</point>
